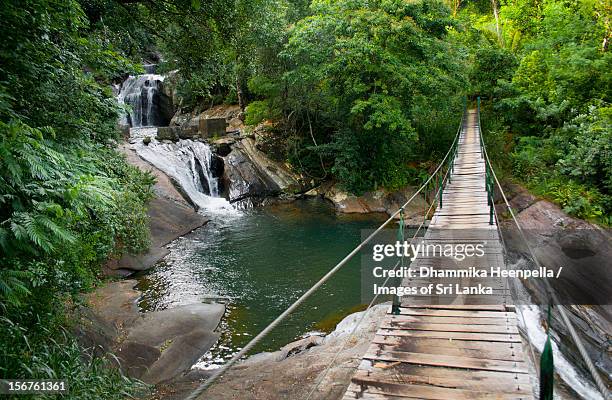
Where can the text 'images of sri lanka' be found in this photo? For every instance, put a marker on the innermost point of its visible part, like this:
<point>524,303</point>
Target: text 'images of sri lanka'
<point>306,199</point>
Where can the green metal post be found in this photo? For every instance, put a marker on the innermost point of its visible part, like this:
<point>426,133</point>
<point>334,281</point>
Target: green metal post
<point>440,189</point>
<point>491,205</point>
<point>395,307</point>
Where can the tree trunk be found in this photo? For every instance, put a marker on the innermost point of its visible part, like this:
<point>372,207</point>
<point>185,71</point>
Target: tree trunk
<point>240,93</point>
<point>500,37</point>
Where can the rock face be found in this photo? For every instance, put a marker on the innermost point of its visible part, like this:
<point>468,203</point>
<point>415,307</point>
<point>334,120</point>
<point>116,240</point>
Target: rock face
<point>292,372</point>
<point>379,201</point>
<point>163,344</point>
<point>149,104</point>
<point>195,122</point>
<point>250,175</point>
<point>155,346</point>
<point>170,217</point>
<point>585,252</point>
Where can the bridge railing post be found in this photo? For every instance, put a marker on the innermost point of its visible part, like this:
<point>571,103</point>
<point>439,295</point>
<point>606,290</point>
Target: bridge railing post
<point>440,189</point>
<point>491,209</point>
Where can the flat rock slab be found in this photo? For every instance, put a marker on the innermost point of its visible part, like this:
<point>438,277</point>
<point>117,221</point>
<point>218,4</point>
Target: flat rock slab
<point>155,346</point>
<point>163,344</point>
<point>170,216</point>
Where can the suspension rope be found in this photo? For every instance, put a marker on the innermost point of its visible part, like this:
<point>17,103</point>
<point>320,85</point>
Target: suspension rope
<point>522,315</point>
<point>372,302</point>
<point>567,322</point>
<point>220,371</point>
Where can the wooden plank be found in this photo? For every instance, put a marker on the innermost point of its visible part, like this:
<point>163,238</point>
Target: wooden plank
<point>441,372</point>
<point>434,393</point>
<point>497,384</point>
<point>408,342</point>
<point>455,313</point>
<point>491,307</point>
<point>450,327</point>
<point>454,320</point>
<point>492,337</point>
<point>502,353</point>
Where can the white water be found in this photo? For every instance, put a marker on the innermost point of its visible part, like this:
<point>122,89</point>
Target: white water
<point>182,161</point>
<point>537,337</point>
<point>138,92</point>
<point>187,163</point>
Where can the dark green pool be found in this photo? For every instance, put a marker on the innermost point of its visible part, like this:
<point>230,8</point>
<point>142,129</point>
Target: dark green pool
<point>261,261</point>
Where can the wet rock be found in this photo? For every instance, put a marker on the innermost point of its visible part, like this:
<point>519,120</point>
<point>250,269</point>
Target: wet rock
<point>223,146</point>
<point>314,192</point>
<point>291,372</point>
<point>168,133</point>
<point>170,216</point>
<point>175,133</point>
<point>250,174</point>
<point>212,127</point>
<point>169,88</point>
<point>163,344</point>
<point>380,201</point>
<point>165,108</point>
<point>155,346</point>
<point>584,251</point>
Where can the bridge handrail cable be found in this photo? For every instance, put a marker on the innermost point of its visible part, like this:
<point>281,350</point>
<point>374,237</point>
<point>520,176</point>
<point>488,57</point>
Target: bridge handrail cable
<point>373,301</point>
<point>553,297</point>
<point>221,370</point>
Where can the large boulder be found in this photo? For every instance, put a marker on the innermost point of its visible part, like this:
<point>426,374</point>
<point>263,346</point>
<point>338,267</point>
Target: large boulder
<point>164,344</point>
<point>250,175</point>
<point>164,107</point>
<point>378,201</point>
<point>155,346</point>
<point>584,286</point>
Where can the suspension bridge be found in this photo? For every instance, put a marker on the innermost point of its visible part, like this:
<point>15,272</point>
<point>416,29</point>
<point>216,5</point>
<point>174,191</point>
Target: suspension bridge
<point>447,347</point>
<point>462,350</point>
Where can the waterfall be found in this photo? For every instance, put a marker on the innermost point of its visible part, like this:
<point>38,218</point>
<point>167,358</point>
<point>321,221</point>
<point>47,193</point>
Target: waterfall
<point>201,161</point>
<point>191,165</point>
<point>142,94</point>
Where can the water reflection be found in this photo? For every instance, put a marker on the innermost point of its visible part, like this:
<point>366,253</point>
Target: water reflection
<point>259,264</point>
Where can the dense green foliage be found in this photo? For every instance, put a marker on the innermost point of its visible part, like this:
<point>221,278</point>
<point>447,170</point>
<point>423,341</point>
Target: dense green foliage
<point>367,89</point>
<point>363,92</point>
<point>68,200</point>
<point>375,81</point>
<point>548,82</point>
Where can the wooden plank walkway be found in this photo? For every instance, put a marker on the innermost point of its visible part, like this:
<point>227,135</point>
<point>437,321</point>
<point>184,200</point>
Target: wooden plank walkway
<point>462,347</point>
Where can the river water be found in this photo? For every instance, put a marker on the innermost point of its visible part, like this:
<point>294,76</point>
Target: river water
<point>259,261</point>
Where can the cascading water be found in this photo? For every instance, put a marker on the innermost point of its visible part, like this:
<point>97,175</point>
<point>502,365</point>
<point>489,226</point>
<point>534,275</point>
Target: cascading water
<point>190,164</point>
<point>529,321</point>
<point>142,93</point>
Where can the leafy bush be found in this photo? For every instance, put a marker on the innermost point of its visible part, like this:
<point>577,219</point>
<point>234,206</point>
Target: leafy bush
<point>60,357</point>
<point>67,200</point>
<point>588,156</point>
<point>257,111</point>
<point>575,199</point>
<point>368,84</point>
